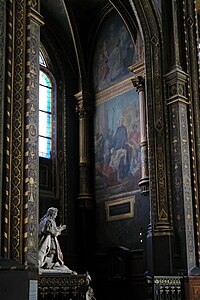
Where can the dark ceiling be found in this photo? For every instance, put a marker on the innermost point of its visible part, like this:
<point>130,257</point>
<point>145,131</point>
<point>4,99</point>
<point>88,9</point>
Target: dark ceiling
<point>82,12</point>
<point>82,15</point>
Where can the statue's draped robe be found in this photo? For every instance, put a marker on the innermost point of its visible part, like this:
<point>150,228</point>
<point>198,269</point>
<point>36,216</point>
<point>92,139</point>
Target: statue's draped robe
<point>49,249</point>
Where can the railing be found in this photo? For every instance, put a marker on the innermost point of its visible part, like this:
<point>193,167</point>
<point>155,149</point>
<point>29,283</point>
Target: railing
<point>62,286</point>
<point>168,288</point>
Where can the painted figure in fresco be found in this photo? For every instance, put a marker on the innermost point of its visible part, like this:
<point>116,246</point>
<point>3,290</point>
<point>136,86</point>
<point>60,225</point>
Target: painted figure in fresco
<point>119,148</point>
<point>121,136</point>
<point>126,48</point>
<point>98,148</point>
<point>115,154</point>
<point>134,149</point>
<point>50,256</point>
<point>103,70</point>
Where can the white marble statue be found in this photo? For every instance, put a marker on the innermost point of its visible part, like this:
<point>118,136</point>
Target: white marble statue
<point>50,257</point>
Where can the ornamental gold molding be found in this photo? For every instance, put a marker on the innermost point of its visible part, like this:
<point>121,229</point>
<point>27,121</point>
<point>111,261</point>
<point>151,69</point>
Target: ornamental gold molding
<point>113,91</point>
<point>35,16</point>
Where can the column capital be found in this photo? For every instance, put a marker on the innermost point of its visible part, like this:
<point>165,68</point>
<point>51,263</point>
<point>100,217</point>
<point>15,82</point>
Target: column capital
<point>138,83</point>
<point>80,109</point>
<point>176,81</point>
<point>82,100</point>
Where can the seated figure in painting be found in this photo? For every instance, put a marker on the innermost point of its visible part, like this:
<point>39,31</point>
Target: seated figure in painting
<point>50,256</point>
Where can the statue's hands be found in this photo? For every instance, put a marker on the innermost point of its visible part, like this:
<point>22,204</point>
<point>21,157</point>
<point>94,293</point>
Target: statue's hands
<point>62,227</point>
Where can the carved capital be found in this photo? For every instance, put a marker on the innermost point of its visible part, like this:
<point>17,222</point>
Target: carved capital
<point>176,85</point>
<point>138,83</point>
<point>80,109</point>
<point>83,107</point>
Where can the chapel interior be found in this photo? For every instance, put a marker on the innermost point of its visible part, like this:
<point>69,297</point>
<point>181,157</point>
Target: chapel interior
<point>100,119</point>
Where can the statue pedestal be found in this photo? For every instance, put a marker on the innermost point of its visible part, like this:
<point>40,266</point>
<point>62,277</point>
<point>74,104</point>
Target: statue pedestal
<point>16,281</point>
<point>60,285</point>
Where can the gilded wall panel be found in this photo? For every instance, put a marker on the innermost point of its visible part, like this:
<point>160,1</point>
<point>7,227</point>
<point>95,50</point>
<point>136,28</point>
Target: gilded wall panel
<point>181,176</point>
<point>7,133</point>
<point>2,82</point>
<point>31,143</point>
<point>191,31</point>
<point>17,132</point>
<point>21,171</point>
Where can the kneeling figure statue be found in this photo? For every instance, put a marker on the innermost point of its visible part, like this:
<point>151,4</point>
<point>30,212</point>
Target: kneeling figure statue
<point>50,257</point>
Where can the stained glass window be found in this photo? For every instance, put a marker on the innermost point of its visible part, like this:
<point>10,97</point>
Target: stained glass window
<point>45,115</point>
<point>42,61</point>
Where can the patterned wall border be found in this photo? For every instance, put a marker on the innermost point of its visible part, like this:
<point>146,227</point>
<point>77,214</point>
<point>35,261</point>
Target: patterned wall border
<point>191,49</point>
<point>21,186</point>
<point>31,176</point>
<point>7,135</point>
<point>17,163</point>
<point>2,83</point>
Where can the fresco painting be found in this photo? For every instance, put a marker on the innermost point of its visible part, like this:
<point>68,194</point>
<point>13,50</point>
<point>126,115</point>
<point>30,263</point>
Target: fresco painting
<point>117,144</point>
<point>115,52</point>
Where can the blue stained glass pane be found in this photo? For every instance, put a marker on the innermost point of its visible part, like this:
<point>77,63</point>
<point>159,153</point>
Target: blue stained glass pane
<point>44,80</point>
<point>44,147</point>
<point>45,98</point>
<point>41,59</point>
<point>45,116</point>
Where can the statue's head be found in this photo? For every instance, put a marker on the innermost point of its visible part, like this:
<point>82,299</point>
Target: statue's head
<point>52,212</point>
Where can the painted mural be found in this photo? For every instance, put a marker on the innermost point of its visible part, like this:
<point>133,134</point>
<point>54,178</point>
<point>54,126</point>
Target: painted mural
<point>115,52</point>
<point>117,144</point>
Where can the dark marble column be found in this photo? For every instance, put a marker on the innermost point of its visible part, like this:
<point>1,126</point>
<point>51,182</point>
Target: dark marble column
<point>85,197</point>
<point>180,152</point>
<point>138,83</point>
<point>181,167</point>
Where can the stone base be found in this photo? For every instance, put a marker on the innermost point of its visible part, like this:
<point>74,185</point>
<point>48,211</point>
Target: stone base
<point>15,281</point>
<point>192,287</point>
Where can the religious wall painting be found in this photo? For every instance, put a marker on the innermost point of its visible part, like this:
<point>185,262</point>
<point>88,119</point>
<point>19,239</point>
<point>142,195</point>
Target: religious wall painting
<point>115,52</point>
<point>117,145</point>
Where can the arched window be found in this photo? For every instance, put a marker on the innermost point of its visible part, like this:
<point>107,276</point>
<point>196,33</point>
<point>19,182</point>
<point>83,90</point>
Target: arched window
<point>45,116</point>
<point>47,126</point>
<point>46,99</point>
